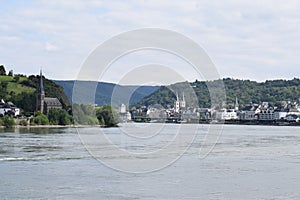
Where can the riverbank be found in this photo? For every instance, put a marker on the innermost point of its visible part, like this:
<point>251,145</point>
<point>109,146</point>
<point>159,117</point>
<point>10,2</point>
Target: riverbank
<point>227,122</point>
<point>51,126</point>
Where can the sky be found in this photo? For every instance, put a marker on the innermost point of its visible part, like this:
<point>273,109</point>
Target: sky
<point>257,40</point>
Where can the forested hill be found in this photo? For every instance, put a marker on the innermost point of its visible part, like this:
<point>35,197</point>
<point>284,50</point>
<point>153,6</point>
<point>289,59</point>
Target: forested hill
<point>21,90</point>
<point>272,91</point>
<point>106,91</point>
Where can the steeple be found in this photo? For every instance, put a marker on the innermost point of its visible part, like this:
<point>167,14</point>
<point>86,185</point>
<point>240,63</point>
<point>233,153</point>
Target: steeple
<point>236,105</point>
<point>182,102</point>
<point>41,85</point>
<point>40,95</point>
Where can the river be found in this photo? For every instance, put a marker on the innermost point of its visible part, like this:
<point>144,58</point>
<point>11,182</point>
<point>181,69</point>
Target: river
<point>246,162</point>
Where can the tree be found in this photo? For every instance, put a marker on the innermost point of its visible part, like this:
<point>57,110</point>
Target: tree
<point>2,71</point>
<point>16,79</point>
<point>11,73</point>
<point>40,119</point>
<point>8,121</point>
<point>84,114</point>
<point>107,116</point>
<point>59,117</point>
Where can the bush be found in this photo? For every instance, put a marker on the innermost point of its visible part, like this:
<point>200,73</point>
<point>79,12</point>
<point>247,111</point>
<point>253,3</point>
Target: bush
<point>59,117</point>
<point>41,119</point>
<point>107,116</point>
<point>8,121</point>
<point>23,122</point>
<point>84,114</point>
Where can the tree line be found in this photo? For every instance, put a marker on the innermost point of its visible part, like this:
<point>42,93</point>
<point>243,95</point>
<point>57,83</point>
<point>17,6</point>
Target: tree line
<point>106,116</point>
<point>272,91</point>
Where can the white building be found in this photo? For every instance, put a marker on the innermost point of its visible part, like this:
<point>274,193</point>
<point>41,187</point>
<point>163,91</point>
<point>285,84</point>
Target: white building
<point>124,114</point>
<point>8,108</point>
<point>179,104</point>
<point>266,115</point>
<point>292,118</point>
<point>157,114</point>
<point>279,115</point>
<point>226,114</point>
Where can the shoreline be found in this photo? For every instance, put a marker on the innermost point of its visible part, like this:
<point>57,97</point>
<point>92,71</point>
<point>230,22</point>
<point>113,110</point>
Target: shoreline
<point>208,123</point>
<point>49,126</point>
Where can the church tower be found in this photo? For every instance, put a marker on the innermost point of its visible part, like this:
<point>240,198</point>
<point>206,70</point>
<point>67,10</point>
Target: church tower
<point>182,102</point>
<point>40,95</point>
<point>177,104</point>
<point>236,105</point>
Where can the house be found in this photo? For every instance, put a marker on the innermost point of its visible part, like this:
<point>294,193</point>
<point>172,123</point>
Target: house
<point>8,108</point>
<point>280,114</point>
<point>45,104</point>
<point>292,118</point>
<point>250,112</point>
<point>226,114</point>
<point>204,113</point>
<point>266,114</point>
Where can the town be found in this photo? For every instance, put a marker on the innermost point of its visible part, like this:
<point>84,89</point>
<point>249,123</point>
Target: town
<point>287,113</point>
<point>264,113</point>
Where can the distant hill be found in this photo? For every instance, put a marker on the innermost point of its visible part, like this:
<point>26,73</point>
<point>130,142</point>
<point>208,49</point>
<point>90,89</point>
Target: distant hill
<point>272,91</point>
<point>105,91</point>
<point>21,90</point>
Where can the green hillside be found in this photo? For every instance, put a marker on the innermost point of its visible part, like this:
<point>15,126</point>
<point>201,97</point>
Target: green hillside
<point>272,91</point>
<point>21,90</point>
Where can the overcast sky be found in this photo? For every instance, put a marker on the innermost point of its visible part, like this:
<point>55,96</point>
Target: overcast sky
<point>255,39</point>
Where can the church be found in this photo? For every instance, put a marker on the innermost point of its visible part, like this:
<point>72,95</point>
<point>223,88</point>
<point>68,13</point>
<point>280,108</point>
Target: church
<point>45,104</point>
<point>179,104</point>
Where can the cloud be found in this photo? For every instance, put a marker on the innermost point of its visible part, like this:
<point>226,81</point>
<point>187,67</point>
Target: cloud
<point>50,47</point>
<point>243,38</point>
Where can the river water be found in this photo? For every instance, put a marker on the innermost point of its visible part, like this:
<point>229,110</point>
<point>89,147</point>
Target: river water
<point>247,162</point>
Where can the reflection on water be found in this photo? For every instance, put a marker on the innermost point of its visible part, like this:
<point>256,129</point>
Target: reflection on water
<point>248,162</point>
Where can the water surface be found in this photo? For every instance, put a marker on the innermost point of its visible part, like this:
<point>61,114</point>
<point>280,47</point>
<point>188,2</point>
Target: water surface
<point>248,162</point>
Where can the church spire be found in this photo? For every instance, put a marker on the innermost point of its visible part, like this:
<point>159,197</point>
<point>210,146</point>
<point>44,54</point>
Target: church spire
<point>41,85</point>
<point>236,105</point>
<point>40,95</point>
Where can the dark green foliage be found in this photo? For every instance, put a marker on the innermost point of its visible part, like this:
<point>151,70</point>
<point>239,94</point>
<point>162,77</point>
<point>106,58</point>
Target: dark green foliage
<point>40,119</point>
<point>2,70</point>
<point>51,89</point>
<point>16,79</point>
<point>25,101</point>
<point>59,117</point>
<point>3,89</point>
<point>107,116</point>
<point>84,114</point>
<point>10,73</point>
<point>23,122</point>
<point>271,91</point>
<point>245,90</point>
<point>8,121</point>
<point>23,92</point>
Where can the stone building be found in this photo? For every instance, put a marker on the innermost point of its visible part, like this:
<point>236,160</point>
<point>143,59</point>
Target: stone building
<point>45,104</point>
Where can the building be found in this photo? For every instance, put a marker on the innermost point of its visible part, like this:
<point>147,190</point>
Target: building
<point>179,104</point>
<point>226,114</point>
<point>280,114</point>
<point>157,114</point>
<point>8,108</point>
<point>45,104</point>
<point>266,114</point>
<point>236,105</point>
<point>292,118</point>
<point>250,112</point>
<point>124,114</point>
